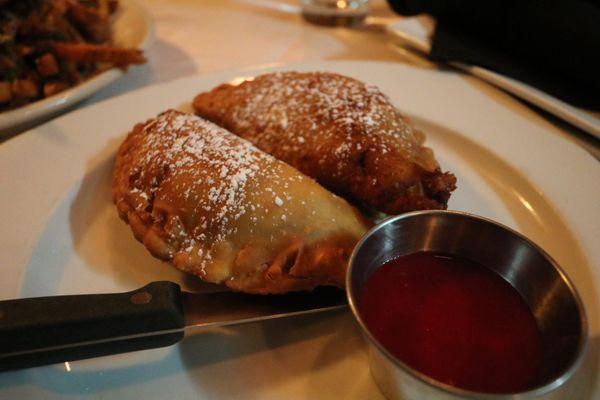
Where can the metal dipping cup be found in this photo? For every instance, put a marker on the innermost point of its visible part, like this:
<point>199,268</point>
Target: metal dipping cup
<point>532,272</point>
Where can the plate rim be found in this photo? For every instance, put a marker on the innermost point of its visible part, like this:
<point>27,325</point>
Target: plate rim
<point>589,122</point>
<point>37,135</point>
<point>52,105</point>
<point>573,147</point>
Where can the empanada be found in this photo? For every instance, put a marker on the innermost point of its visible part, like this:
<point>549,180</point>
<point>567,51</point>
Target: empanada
<point>215,206</point>
<point>345,134</point>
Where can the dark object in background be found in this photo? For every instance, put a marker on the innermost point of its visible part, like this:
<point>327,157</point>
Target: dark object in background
<point>553,45</point>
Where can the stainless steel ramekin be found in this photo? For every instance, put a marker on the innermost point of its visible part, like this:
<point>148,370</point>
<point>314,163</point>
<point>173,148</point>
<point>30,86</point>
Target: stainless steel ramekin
<point>546,289</point>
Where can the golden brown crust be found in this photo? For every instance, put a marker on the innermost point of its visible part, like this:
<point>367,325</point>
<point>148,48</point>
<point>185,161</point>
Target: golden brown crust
<point>215,206</point>
<point>343,133</point>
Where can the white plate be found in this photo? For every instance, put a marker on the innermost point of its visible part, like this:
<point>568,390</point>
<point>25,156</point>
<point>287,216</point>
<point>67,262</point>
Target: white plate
<point>61,235</point>
<point>132,27</point>
<point>416,32</point>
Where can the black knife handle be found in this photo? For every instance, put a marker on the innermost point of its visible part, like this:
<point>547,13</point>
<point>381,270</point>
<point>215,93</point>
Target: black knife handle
<point>46,330</point>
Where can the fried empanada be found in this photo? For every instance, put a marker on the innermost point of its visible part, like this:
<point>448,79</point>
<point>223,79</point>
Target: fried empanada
<point>345,134</point>
<point>217,207</point>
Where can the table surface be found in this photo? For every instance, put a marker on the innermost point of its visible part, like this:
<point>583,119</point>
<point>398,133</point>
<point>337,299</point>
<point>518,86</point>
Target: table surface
<point>203,36</point>
<point>196,37</point>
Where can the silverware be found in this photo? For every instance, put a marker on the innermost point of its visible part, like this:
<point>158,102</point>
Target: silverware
<point>45,330</point>
<point>544,286</point>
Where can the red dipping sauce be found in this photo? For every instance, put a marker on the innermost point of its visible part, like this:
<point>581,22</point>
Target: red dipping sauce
<point>455,321</point>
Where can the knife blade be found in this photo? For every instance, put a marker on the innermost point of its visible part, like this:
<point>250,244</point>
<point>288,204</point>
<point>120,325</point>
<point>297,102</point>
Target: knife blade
<point>46,330</point>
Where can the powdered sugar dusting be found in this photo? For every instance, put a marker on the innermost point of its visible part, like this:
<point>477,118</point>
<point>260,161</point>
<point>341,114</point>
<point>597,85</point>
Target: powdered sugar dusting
<point>337,109</point>
<point>211,172</point>
<point>344,133</point>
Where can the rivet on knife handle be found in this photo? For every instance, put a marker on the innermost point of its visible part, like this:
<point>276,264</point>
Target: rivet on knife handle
<point>45,330</point>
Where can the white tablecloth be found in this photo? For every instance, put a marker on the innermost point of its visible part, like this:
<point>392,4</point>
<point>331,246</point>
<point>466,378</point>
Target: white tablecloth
<point>202,36</point>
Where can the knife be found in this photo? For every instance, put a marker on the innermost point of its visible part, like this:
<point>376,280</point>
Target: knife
<point>46,330</point>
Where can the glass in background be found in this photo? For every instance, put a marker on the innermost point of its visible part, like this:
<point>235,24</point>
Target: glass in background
<point>335,12</point>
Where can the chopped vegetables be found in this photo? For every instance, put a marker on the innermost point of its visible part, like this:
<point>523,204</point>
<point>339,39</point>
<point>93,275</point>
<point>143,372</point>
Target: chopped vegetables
<point>47,65</point>
<point>84,52</point>
<point>5,92</point>
<point>47,46</point>
<point>24,89</point>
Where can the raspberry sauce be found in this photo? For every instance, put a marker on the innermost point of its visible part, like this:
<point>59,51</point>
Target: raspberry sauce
<point>455,321</point>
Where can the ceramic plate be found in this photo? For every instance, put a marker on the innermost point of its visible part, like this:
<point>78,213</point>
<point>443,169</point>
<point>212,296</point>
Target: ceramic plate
<point>132,27</point>
<point>61,235</point>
